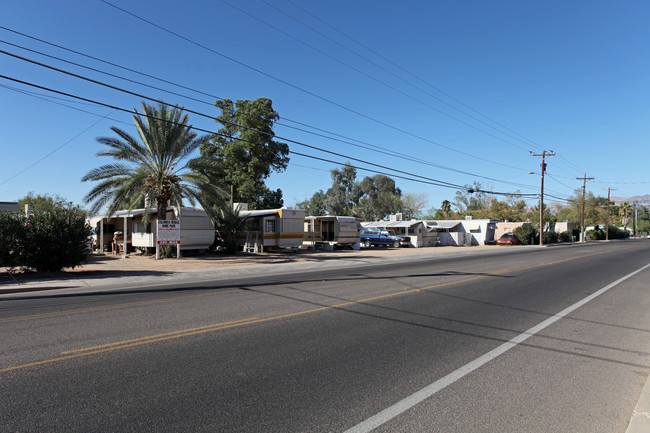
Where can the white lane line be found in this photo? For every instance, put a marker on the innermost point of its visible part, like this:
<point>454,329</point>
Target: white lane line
<point>402,406</point>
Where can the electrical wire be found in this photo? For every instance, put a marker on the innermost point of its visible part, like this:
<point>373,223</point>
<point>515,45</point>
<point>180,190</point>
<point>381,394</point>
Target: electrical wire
<point>415,177</point>
<point>217,97</point>
<point>322,98</point>
<point>383,83</point>
<point>55,149</point>
<point>368,147</point>
<point>154,99</point>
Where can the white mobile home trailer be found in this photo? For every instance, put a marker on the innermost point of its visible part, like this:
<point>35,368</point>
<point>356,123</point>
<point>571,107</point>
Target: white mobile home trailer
<point>197,231</point>
<point>272,229</point>
<point>329,232</point>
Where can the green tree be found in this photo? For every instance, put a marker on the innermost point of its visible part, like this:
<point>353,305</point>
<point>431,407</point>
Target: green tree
<point>158,169</point>
<point>446,209</point>
<point>41,202</point>
<point>626,213</point>
<point>343,196</point>
<point>380,198</point>
<point>595,209</point>
<point>314,206</point>
<point>472,201</point>
<point>412,205</point>
<point>229,223</point>
<point>246,148</point>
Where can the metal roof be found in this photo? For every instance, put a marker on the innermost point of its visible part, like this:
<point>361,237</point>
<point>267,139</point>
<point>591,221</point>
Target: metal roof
<point>446,225</point>
<point>389,224</point>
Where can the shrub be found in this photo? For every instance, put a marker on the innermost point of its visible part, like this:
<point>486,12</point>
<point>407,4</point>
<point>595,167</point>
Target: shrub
<point>11,238</point>
<point>566,236</point>
<point>616,233</point>
<point>595,235</point>
<point>45,241</point>
<point>525,233</point>
<point>551,237</point>
<point>167,251</point>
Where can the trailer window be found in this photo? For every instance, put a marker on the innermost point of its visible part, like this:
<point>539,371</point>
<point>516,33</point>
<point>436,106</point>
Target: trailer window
<point>269,226</point>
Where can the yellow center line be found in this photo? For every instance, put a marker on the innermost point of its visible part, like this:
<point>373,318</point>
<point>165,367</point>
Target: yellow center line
<point>151,337</point>
<point>217,327</point>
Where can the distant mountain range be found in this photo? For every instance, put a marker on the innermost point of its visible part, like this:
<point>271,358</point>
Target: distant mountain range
<point>640,200</point>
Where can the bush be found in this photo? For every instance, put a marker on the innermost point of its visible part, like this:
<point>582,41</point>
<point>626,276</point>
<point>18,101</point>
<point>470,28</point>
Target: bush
<point>551,237</point>
<point>616,233</point>
<point>566,236</point>
<point>45,241</point>
<point>525,233</point>
<point>595,235</point>
<point>11,238</point>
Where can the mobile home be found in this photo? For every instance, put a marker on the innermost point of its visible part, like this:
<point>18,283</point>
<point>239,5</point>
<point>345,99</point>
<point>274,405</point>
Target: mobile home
<point>329,232</point>
<point>272,229</point>
<point>197,231</point>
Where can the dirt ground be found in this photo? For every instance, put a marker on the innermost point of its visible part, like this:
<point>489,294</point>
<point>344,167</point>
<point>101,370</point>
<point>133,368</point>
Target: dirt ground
<point>105,264</point>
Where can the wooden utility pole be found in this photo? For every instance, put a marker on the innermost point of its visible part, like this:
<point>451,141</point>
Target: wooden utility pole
<point>544,154</point>
<point>607,223</point>
<point>584,184</point>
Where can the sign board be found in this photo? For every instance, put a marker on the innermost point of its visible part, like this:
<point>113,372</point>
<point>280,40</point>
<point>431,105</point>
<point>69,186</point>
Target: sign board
<point>168,232</point>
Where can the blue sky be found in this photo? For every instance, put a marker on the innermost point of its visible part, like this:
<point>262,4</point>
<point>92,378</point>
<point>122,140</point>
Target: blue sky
<point>464,89</point>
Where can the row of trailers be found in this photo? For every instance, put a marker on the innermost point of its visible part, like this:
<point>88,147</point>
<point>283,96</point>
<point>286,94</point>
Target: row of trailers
<point>264,230</point>
<point>290,229</point>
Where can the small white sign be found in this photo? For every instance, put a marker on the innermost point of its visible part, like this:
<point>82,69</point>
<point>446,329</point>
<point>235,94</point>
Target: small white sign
<point>168,232</point>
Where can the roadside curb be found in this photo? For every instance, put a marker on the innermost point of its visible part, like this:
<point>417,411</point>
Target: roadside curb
<point>143,279</point>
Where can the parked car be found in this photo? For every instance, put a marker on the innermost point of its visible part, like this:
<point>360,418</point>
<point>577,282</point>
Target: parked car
<point>508,239</point>
<point>375,237</point>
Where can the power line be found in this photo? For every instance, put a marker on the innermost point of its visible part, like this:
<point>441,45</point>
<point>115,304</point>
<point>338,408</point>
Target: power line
<point>523,138</point>
<point>212,118</point>
<point>219,98</point>
<point>322,98</point>
<point>418,178</point>
<point>55,149</point>
<point>383,83</point>
<point>409,73</point>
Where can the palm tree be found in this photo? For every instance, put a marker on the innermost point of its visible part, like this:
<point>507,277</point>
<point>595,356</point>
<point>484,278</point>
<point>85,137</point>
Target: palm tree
<point>625,208</point>
<point>157,169</point>
<point>446,208</point>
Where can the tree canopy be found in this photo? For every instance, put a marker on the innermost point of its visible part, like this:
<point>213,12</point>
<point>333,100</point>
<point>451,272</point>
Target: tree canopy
<point>155,169</point>
<point>246,148</point>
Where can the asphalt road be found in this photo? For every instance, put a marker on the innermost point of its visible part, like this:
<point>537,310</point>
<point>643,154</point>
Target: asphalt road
<point>550,339</point>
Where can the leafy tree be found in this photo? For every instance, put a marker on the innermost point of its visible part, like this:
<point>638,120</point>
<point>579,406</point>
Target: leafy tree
<point>595,209</point>
<point>412,204</point>
<point>247,150</point>
<point>157,169</point>
<point>342,198</point>
<point>643,219</point>
<point>41,202</point>
<point>471,201</point>
<point>512,208</point>
<point>315,205</point>
<point>533,215</point>
<point>380,198</point>
<point>433,214</point>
